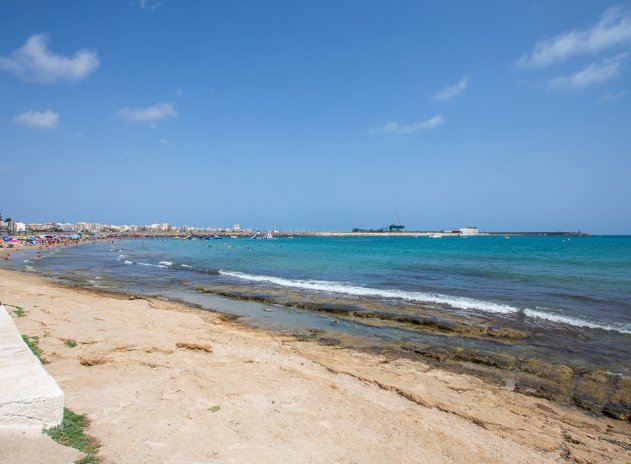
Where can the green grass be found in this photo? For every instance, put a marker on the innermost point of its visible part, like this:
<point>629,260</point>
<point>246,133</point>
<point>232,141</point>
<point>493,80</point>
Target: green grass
<point>17,310</point>
<point>214,408</point>
<point>71,433</point>
<point>33,344</point>
<point>70,343</point>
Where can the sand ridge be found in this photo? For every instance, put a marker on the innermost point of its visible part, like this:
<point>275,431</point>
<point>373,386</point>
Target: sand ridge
<point>163,382</point>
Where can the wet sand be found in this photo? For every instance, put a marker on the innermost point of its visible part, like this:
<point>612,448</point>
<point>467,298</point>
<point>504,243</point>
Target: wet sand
<point>165,382</point>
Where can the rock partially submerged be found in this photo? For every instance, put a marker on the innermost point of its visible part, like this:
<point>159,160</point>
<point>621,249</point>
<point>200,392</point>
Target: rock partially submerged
<point>619,405</point>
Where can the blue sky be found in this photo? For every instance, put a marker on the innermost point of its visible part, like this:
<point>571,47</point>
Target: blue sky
<point>508,115</point>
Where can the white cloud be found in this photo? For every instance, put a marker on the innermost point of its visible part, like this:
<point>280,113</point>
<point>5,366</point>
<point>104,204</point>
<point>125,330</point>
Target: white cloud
<point>150,5</point>
<point>613,29</point>
<point>151,114</point>
<point>451,91</point>
<point>39,119</point>
<point>592,74</point>
<point>35,62</point>
<point>396,128</point>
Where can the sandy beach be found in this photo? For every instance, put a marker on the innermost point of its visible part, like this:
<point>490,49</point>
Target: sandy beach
<point>162,382</point>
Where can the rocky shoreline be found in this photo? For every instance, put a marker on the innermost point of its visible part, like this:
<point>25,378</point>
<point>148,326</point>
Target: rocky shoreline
<point>156,377</point>
<point>588,386</point>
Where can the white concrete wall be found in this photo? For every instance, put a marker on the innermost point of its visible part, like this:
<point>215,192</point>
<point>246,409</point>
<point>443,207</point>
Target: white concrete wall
<point>29,396</point>
<point>469,231</point>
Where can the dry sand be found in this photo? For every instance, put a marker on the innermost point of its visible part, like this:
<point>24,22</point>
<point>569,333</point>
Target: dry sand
<point>164,383</point>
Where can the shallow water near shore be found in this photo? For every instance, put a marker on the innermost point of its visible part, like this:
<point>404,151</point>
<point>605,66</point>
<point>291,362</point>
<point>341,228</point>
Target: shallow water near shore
<point>563,299</point>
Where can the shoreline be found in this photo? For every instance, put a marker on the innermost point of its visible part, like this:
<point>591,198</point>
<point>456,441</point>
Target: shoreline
<point>6,251</point>
<point>281,399</point>
<point>494,350</point>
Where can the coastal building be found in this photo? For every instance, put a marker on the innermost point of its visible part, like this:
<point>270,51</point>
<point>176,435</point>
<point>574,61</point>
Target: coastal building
<point>64,227</point>
<point>43,227</point>
<point>468,231</point>
<point>11,227</point>
<point>82,227</point>
<point>390,228</point>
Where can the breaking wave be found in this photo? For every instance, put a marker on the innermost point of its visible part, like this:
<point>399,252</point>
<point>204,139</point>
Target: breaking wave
<point>423,297</point>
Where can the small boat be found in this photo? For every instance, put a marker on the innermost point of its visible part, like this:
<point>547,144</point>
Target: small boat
<point>435,236</point>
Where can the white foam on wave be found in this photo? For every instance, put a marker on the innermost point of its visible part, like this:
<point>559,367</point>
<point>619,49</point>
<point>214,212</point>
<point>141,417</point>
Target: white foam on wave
<point>166,263</point>
<point>121,257</point>
<point>146,264</point>
<point>337,287</point>
<point>560,319</point>
<point>186,266</point>
<point>423,297</point>
<point>151,265</point>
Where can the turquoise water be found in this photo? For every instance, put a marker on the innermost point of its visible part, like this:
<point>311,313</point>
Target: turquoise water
<point>562,286</point>
<point>576,280</point>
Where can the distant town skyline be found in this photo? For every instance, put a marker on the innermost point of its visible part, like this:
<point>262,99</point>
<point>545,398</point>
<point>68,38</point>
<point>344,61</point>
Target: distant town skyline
<point>318,115</point>
<point>28,227</point>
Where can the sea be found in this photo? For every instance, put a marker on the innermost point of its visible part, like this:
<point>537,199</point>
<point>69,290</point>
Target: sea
<point>566,299</point>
